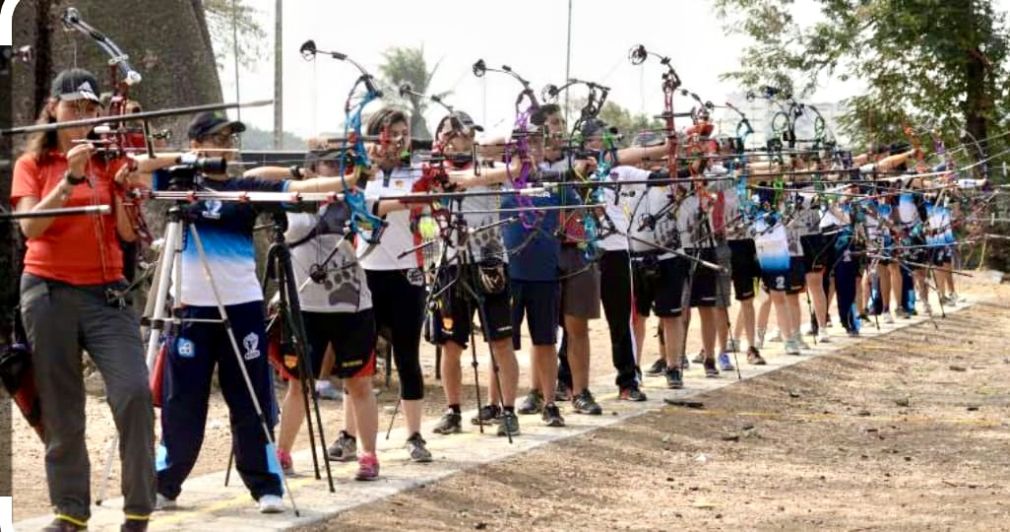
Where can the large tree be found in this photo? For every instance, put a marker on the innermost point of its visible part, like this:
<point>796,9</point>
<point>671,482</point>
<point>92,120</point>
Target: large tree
<point>941,62</point>
<point>168,42</point>
<point>408,65</point>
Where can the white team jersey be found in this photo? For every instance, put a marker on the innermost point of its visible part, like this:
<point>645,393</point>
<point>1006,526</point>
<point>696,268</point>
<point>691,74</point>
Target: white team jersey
<point>397,237</point>
<point>486,243</point>
<point>344,287</point>
<point>620,204</point>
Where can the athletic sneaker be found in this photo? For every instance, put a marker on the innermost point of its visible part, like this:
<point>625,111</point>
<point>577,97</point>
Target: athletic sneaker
<point>416,446</point>
<point>792,347</point>
<point>754,357</point>
<point>451,423</point>
<point>777,337</point>
<point>657,367</point>
<point>700,357</point>
<point>801,343</point>
<point>270,504</point>
<point>287,464</point>
<point>927,308</point>
<point>552,416</point>
<point>585,403</point>
<point>326,390</point>
<point>344,449</point>
<point>134,525</point>
<point>760,343</point>
<point>368,467</point>
<point>509,424</point>
<point>888,317</point>
<point>725,363</point>
<point>164,504</point>
<point>487,415</point>
<point>532,403</point>
<point>733,345</point>
<point>711,371</point>
<point>685,364</point>
<point>562,392</point>
<point>823,338</point>
<point>853,333</point>
<point>900,313</point>
<point>631,393</point>
<point>62,525</point>
<point>674,379</point>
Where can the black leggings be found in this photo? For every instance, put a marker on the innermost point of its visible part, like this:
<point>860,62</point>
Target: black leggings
<point>615,280</point>
<point>399,307</point>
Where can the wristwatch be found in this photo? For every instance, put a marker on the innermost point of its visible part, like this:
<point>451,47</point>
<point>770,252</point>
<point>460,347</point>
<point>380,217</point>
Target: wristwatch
<point>73,180</point>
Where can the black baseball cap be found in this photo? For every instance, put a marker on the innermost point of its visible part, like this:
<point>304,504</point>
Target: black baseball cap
<point>211,122</point>
<point>460,120</point>
<point>76,84</point>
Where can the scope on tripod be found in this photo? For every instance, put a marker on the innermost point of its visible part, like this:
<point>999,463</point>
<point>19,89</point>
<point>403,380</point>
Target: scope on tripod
<point>182,176</point>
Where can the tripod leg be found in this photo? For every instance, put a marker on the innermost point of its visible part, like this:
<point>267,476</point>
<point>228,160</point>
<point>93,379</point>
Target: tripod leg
<point>231,463</point>
<point>476,378</point>
<point>393,418</point>
<point>156,304</point>
<point>257,407</point>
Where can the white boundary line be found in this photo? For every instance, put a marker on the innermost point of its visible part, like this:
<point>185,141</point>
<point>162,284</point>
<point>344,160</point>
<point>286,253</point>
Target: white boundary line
<point>206,505</point>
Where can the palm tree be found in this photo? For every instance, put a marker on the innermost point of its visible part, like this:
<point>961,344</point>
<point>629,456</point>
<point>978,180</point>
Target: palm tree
<point>407,65</point>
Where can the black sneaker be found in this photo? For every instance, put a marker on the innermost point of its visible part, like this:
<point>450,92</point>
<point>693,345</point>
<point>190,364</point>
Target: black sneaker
<point>657,367</point>
<point>509,424</point>
<point>134,525</point>
<point>451,423</point>
<point>631,393</point>
<point>418,449</point>
<point>532,403</point>
<point>754,357</point>
<point>552,416</point>
<point>488,414</point>
<point>562,392</point>
<point>674,379</point>
<point>710,370</point>
<point>585,403</point>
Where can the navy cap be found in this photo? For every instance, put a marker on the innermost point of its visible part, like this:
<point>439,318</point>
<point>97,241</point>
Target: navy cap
<point>211,122</point>
<point>76,84</point>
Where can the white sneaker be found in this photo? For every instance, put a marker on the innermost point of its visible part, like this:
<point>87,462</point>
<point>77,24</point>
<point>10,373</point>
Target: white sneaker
<point>927,309</point>
<point>327,391</point>
<point>733,345</point>
<point>163,503</point>
<point>800,343</point>
<point>888,318</point>
<point>270,504</point>
<point>792,348</point>
<point>823,338</point>
<point>777,337</point>
<point>760,342</point>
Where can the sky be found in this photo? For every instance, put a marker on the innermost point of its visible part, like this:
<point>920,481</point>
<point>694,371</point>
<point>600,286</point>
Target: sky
<point>527,35</point>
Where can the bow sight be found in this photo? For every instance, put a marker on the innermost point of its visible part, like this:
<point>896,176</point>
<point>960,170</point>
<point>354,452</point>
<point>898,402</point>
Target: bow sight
<point>638,54</point>
<point>309,52</point>
<point>480,68</point>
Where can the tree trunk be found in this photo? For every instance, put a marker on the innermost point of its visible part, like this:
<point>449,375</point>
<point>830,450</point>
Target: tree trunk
<point>976,106</point>
<point>167,41</point>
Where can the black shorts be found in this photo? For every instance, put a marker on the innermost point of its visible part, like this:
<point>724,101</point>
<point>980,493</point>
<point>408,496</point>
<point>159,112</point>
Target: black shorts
<point>703,281</point>
<point>797,276</point>
<point>540,303</point>
<point>744,268</point>
<point>818,252</point>
<point>791,281</point>
<point>452,317</point>
<point>663,291</point>
<point>644,280</point>
<point>942,255</point>
<point>352,336</point>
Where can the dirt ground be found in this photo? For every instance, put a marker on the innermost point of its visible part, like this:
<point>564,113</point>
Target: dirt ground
<point>797,449</point>
<point>905,432</point>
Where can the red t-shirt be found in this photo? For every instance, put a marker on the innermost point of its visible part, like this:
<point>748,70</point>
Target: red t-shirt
<point>79,250</point>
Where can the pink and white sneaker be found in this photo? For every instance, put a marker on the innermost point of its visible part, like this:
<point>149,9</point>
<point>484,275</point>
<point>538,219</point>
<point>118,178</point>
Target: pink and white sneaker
<point>368,467</point>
